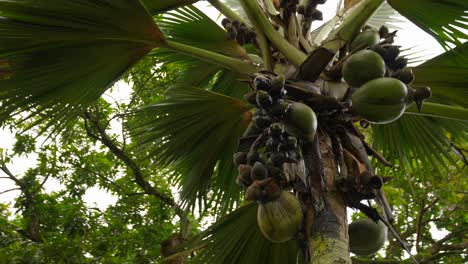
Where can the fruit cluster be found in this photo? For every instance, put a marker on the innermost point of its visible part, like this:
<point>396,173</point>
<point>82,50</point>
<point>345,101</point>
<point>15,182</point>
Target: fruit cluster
<point>239,32</point>
<point>276,133</point>
<point>380,76</point>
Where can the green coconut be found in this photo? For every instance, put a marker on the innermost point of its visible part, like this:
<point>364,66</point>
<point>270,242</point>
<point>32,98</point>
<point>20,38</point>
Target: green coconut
<point>365,39</point>
<point>381,100</point>
<point>301,121</point>
<point>280,220</point>
<point>366,237</point>
<point>363,66</point>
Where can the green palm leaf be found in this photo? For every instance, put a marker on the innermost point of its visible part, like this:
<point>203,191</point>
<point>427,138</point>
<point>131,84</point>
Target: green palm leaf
<point>60,55</point>
<point>194,132</point>
<point>444,20</point>
<point>190,26</point>
<point>159,6</point>
<point>420,145</point>
<point>447,76</point>
<point>236,238</point>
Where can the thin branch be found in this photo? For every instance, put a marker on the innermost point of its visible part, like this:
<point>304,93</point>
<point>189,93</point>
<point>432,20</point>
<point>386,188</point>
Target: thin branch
<point>10,190</point>
<point>18,182</point>
<point>138,174</point>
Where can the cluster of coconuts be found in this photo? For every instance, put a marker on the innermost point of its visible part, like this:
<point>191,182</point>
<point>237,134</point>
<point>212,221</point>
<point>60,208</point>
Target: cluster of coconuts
<point>239,32</point>
<point>279,128</point>
<point>380,77</point>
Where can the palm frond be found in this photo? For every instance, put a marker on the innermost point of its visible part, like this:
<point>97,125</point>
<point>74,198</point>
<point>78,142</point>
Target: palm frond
<point>386,15</point>
<point>159,6</point>
<point>190,26</point>
<point>61,55</point>
<point>444,20</point>
<point>194,133</point>
<point>447,76</point>
<point>236,238</point>
<point>419,145</point>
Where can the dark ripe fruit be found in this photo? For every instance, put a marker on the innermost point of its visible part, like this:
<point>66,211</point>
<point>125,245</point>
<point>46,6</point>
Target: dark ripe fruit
<point>301,10</point>
<point>259,171</point>
<point>278,109</point>
<point>272,144</point>
<point>316,15</point>
<point>235,24</point>
<point>276,159</point>
<point>301,121</point>
<point>240,38</point>
<point>380,50</point>
<point>391,53</point>
<point>262,83</point>
<point>366,237</point>
<point>226,23</point>
<point>406,76</point>
<point>283,147</point>
<point>240,158</point>
<point>252,157</point>
<point>264,99</point>
<point>367,38</point>
<point>363,66</point>
<point>275,130</point>
<point>380,101</point>
<point>291,142</point>
<point>262,121</point>
<point>383,31</point>
<point>251,97</point>
<point>399,63</point>
<point>280,219</point>
<point>244,179</point>
<point>423,93</point>
<point>231,33</point>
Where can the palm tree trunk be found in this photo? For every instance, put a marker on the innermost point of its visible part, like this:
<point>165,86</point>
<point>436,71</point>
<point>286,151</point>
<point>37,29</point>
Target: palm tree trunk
<point>327,221</point>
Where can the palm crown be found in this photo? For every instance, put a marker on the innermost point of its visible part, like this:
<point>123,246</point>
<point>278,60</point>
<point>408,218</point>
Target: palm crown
<point>58,57</point>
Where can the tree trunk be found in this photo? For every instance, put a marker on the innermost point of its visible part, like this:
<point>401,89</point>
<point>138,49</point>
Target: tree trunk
<point>327,223</point>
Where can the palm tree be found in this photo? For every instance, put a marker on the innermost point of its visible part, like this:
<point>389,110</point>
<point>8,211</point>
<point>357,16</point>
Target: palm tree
<point>57,57</point>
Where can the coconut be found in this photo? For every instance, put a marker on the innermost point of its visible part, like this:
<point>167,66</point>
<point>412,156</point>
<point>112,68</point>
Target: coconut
<point>366,237</point>
<point>363,66</point>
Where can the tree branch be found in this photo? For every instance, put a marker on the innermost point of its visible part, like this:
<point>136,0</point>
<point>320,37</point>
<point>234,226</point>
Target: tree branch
<point>10,190</point>
<point>138,174</point>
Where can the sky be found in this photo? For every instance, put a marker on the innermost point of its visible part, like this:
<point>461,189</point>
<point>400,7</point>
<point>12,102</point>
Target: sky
<point>408,36</point>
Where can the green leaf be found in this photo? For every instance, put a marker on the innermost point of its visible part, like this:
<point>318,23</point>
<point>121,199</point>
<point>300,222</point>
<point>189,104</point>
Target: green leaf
<point>446,75</point>
<point>444,20</point>
<point>61,55</point>
<point>190,26</point>
<point>420,145</point>
<point>440,111</point>
<point>159,6</point>
<point>194,133</point>
<point>236,238</point>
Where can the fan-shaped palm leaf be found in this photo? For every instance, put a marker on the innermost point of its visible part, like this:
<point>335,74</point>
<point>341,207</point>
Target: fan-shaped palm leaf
<point>190,26</point>
<point>446,75</point>
<point>236,238</point>
<point>159,6</point>
<point>194,133</point>
<point>444,20</point>
<point>420,145</point>
<point>63,54</point>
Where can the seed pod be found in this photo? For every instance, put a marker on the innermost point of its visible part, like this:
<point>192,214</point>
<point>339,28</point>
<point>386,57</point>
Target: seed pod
<point>301,121</point>
<point>381,51</point>
<point>262,121</point>
<point>291,142</point>
<point>383,31</point>
<point>252,157</point>
<point>236,24</point>
<point>399,63</point>
<point>276,159</point>
<point>263,191</point>
<point>275,130</point>
<point>240,38</point>
<point>277,86</point>
<point>259,171</point>
<point>280,220</point>
<point>316,15</point>
<point>226,23</point>
<point>301,10</point>
<point>406,76</point>
<point>231,33</point>
<point>380,101</point>
<point>272,144</point>
<point>244,179</point>
<point>262,83</point>
<point>240,158</point>
<point>391,52</point>
<point>363,66</point>
<point>264,99</point>
<point>367,38</point>
<point>420,95</point>
<point>251,97</point>
<point>366,237</point>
